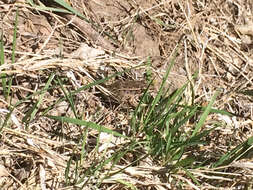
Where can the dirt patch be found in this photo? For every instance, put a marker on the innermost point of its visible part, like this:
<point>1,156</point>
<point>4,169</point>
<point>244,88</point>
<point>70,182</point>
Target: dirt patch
<point>117,17</point>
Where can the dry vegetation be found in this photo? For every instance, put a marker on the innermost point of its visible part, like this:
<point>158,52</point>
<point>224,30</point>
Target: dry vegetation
<point>57,53</point>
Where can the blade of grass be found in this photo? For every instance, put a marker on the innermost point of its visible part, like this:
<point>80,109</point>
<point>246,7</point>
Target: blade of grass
<point>13,51</point>
<point>148,71</point>
<point>32,112</point>
<point>3,75</point>
<point>191,176</point>
<point>164,111</point>
<point>205,114</point>
<point>183,121</point>
<point>134,125</point>
<point>201,108</point>
<point>131,164</point>
<point>238,152</point>
<point>83,152</point>
<point>68,96</point>
<point>92,125</point>
<point>71,9</point>
<point>159,93</point>
<point>44,8</point>
<point>67,171</point>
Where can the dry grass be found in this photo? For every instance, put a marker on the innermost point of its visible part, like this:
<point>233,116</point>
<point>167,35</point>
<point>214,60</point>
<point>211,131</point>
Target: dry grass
<point>51,60</point>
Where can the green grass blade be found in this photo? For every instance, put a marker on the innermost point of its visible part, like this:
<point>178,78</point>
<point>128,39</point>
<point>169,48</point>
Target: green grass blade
<point>132,163</point>
<point>88,124</point>
<point>183,121</point>
<point>239,152</point>
<point>69,97</point>
<point>205,114</point>
<point>67,171</point>
<point>159,93</point>
<point>32,112</point>
<point>71,9</point>
<point>148,71</point>
<point>13,51</point>
<point>3,75</point>
<point>191,176</point>
<point>44,8</point>
<point>165,110</point>
<point>201,108</point>
<point>226,159</point>
<point>83,152</point>
<point>195,140</point>
<point>134,118</point>
<point>51,9</point>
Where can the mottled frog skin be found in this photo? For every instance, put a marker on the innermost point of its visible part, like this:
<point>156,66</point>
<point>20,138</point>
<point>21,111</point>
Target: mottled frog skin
<point>127,92</point>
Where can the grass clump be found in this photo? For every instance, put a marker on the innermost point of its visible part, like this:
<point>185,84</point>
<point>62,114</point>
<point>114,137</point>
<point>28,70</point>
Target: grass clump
<point>159,131</point>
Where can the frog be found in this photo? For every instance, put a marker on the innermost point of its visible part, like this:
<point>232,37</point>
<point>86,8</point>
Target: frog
<point>127,93</point>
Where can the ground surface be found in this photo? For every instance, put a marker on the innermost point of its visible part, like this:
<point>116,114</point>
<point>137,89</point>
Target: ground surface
<point>214,38</point>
